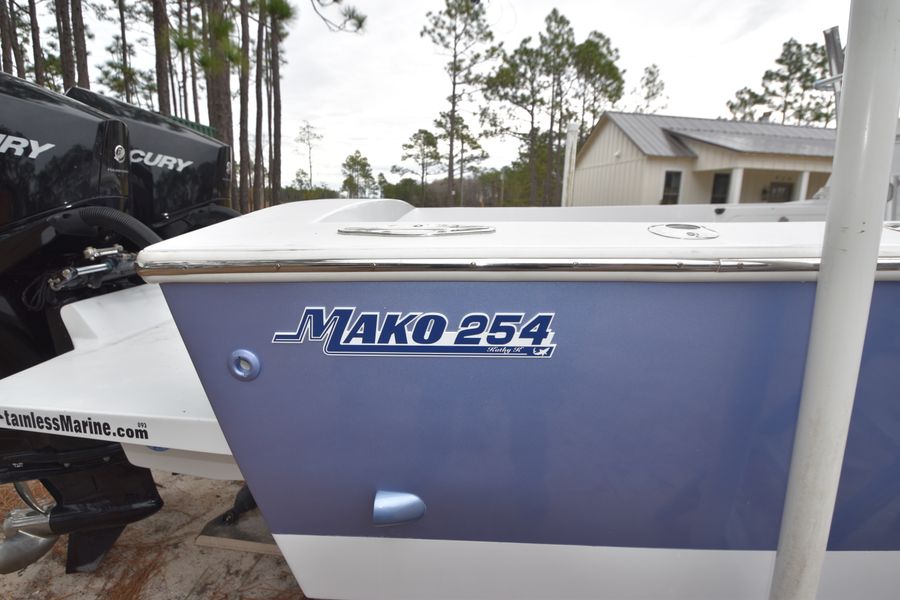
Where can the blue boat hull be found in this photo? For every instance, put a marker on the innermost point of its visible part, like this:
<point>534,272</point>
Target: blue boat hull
<point>663,418</point>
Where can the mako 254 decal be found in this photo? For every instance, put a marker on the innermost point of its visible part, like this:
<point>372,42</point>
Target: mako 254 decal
<point>343,331</point>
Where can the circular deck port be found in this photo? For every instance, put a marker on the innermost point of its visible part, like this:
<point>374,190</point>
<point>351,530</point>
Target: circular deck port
<point>683,231</point>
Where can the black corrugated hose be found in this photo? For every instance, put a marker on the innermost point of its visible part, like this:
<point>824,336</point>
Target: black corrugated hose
<point>122,223</point>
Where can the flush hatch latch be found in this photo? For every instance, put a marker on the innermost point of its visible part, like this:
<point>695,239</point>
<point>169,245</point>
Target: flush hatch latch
<point>418,229</point>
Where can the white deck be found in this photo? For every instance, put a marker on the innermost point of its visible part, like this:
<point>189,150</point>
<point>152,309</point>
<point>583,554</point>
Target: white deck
<point>129,366</point>
<point>308,231</point>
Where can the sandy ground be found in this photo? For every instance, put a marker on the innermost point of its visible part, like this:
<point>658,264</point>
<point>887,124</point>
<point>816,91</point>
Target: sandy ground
<point>157,559</point>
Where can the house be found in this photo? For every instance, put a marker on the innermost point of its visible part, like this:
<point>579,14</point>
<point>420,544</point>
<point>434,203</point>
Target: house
<point>632,158</point>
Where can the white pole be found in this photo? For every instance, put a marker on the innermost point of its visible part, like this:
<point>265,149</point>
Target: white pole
<point>868,114</point>
<point>568,186</point>
<point>735,185</point>
<point>803,186</point>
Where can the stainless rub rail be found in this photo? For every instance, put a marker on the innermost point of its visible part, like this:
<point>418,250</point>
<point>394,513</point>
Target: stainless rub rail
<point>613,265</point>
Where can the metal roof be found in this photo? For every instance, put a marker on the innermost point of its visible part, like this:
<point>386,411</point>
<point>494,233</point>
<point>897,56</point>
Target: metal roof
<point>660,135</point>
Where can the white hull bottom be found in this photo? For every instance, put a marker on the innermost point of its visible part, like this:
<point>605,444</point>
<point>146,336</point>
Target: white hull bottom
<point>395,569</point>
<point>199,464</point>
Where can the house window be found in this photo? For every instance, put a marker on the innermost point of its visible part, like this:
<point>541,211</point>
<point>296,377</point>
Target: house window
<point>721,183</point>
<point>671,187</point>
<point>778,191</point>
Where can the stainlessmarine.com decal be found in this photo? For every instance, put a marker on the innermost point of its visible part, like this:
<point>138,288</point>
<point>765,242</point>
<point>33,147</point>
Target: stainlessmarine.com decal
<point>68,424</point>
<point>343,331</point>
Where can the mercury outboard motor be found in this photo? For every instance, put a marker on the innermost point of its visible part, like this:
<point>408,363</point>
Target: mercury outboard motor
<point>74,212</point>
<point>180,179</point>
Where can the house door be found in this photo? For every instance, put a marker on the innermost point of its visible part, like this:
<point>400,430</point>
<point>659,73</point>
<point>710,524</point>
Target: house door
<point>779,191</point>
<point>721,182</point>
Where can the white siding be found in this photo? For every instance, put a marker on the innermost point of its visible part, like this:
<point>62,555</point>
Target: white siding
<point>701,188</point>
<point>714,158</point>
<point>654,178</point>
<point>611,172</point>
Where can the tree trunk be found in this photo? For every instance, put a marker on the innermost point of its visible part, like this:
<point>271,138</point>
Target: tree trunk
<point>218,80</point>
<point>184,79</point>
<point>260,67</point>
<point>173,83</point>
<point>204,24</point>
<point>6,38</point>
<point>462,171</point>
<point>548,176</point>
<point>203,49</point>
<point>581,123</point>
<point>81,59</point>
<point>126,73</point>
<point>784,104</point>
<point>532,165</point>
<point>276,105</point>
<point>243,125</point>
<point>36,43</point>
<point>309,144</point>
<point>422,183</point>
<point>559,155</point>
<point>268,61</point>
<point>451,137</point>
<point>161,38</point>
<point>454,100</point>
<point>218,75</point>
<point>193,61</point>
<point>64,31</point>
<point>16,48</point>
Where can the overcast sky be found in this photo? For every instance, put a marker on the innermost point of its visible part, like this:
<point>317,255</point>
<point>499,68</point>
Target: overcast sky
<point>371,91</point>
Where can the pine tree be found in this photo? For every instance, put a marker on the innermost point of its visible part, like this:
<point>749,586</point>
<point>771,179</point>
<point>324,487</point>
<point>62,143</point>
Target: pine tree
<point>558,47</point>
<point>651,91</point>
<point>518,87</point>
<point>357,175</point>
<point>463,34</point>
<point>788,90</point>
<point>422,150</point>
<point>599,81</point>
<point>308,137</point>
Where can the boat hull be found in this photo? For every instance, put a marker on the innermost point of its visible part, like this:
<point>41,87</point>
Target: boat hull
<point>661,417</point>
